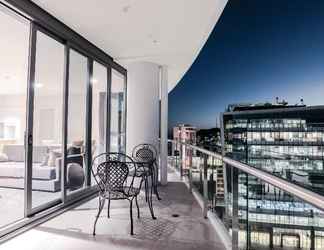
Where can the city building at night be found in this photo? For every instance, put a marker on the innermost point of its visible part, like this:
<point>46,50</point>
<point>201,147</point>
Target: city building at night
<point>288,142</point>
<point>185,133</point>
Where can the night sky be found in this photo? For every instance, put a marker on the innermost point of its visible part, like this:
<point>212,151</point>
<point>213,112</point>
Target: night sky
<point>258,50</point>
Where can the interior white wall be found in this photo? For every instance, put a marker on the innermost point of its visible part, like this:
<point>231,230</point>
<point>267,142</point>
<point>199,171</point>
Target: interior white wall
<point>14,107</point>
<point>142,104</point>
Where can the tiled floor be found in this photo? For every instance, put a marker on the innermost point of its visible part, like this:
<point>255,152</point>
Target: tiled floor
<point>73,230</point>
<point>12,203</point>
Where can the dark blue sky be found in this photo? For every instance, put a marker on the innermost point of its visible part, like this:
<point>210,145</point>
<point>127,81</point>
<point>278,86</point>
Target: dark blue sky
<point>258,50</point>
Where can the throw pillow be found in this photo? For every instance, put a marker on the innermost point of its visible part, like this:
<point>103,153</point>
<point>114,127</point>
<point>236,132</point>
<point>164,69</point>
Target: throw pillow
<point>52,158</point>
<point>45,160</point>
<point>3,157</point>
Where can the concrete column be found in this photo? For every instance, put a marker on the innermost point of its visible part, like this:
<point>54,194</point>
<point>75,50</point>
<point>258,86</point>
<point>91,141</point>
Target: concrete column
<point>142,104</point>
<point>164,126</point>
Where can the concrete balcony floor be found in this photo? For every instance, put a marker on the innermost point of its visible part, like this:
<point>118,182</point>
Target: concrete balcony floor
<point>73,229</point>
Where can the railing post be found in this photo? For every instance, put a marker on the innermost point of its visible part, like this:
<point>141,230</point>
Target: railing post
<point>181,160</point>
<point>177,154</point>
<point>205,185</point>
<point>235,208</point>
<point>173,147</point>
<point>190,170</point>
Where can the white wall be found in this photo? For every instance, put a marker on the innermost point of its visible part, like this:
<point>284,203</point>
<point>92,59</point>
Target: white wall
<point>142,104</point>
<point>14,107</point>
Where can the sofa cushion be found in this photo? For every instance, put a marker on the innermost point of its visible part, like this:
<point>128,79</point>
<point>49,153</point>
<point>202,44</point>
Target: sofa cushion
<point>16,152</point>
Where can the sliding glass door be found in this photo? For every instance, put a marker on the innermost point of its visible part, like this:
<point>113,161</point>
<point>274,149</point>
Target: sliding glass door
<point>99,109</point>
<point>47,115</point>
<point>61,104</point>
<point>14,46</point>
<point>75,165</point>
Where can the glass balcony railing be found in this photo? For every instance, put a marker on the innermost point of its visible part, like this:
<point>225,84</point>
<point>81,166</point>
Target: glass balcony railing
<point>257,209</point>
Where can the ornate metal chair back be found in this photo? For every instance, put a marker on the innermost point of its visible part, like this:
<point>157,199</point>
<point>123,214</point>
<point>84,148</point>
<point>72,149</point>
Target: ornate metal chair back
<point>111,171</point>
<point>112,175</point>
<point>145,152</point>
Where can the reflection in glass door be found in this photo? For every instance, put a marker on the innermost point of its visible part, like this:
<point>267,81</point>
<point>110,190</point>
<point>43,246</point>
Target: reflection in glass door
<point>75,167</point>
<point>14,41</point>
<point>47,120</point>
<point>118,112</point>
<point>99,113</point>
<point>99,109</point>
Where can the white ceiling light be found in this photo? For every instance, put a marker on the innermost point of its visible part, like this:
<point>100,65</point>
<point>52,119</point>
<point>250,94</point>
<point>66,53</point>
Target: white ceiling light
<point>38,85</point>
<point>94,81</point>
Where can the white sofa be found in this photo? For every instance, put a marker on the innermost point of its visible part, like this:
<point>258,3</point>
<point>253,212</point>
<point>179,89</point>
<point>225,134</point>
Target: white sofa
<point>12,171</point>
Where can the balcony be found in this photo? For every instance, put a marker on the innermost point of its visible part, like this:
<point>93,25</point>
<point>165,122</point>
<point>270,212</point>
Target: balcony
<point>64,100</point>
<point>201,208</point>
<point>179,225</point>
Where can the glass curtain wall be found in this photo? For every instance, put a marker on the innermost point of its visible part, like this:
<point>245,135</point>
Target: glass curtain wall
<point>14,46</point>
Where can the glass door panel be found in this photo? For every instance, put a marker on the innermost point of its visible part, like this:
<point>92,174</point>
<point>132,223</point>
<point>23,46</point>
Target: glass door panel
<point>14,46</point>
<point>99,108</point>
<point>76,122</point>
<point>99,112</point>
<point>47,120</point>
<point>118,112</point>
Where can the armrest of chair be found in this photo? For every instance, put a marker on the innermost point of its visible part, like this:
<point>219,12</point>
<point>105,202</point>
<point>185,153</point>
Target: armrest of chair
<point>58,166</point>
<point>74,172</point>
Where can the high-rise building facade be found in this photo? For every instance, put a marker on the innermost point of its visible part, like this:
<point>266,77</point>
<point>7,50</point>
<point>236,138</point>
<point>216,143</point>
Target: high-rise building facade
<point>287,141</point>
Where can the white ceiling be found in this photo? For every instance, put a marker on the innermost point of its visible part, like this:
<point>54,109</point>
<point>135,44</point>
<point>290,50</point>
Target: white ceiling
<point>49,62</point>
<point>167,32</point>
<point>14,42</point>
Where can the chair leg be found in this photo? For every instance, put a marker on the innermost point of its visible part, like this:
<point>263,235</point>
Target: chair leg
<point>156,180</point>
<point>101,205</point>
<point>146,188</point>
<point>131,215</point>
<point>138,211</point>
<point>108,210</point>
<point>150,200</point>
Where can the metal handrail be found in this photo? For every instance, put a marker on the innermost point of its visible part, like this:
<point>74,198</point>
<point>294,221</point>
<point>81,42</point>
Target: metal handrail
<point>304,194</point>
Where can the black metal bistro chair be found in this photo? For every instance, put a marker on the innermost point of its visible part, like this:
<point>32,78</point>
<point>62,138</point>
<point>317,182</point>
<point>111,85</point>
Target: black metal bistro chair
<point>145,156</point>
<point>117,179</point>
<point>147,153</point>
